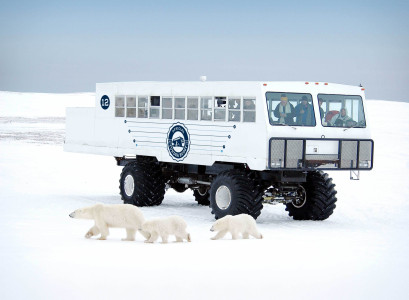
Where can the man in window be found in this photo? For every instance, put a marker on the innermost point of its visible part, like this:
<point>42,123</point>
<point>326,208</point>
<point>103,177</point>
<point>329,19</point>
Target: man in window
<point>284,111</point>
<point>304,113</point>
<point>341,119</point>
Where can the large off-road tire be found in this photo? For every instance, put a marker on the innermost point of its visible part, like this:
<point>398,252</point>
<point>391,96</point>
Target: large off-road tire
<point>202,196</point>
<point>142,184</point>
<point>233,193</point>
<point>320,198</point>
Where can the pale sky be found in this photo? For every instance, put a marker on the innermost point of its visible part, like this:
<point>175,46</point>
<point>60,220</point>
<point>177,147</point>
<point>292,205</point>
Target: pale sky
<point>68,46</point>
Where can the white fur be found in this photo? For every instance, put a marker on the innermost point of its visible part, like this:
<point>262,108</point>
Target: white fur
<point>241,224</point>
<point>116,215</point>
<point>163,227</point>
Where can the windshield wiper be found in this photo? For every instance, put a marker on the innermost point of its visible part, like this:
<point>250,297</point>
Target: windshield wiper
<point>283,124</point>
<point>355,126</point>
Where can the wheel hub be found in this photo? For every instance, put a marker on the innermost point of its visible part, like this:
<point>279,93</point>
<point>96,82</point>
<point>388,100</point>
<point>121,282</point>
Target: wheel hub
<point>301,198</point>
<point>129,185</point>
<point>223,197</point>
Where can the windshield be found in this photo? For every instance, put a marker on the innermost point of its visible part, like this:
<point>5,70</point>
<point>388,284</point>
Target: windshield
<point>293,109</point>
<point>341,111</point>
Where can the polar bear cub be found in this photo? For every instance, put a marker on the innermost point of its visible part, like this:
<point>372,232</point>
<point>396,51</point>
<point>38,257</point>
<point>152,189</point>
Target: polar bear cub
<point>241,224</point>
<point>163,227</point>
<point>115,215</point>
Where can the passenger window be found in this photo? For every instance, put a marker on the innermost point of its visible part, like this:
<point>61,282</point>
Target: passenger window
<point>234,109</point>
<point>120,106</point>
<point>341,111</point>
<point>206,108</point>
<point>155,107</point>
<point>220,108</point>
<point>130,106</point>
<point>249,110</point>
<point>167,108</point>
<point>192,108</point>
<point>142,107</point>
<point>293,109</point>
<point>179,108</point>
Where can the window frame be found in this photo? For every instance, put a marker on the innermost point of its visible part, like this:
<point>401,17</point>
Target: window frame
<point>342,106</point>
<point>270,120</point>
<point>250,110</point>
<point>121,107</point>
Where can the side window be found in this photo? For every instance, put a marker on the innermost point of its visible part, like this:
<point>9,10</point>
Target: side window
<point>295,109</point>
<point>341,111</point>
<point>179,108</point>
<point>192,108</point>
<point>167,108</point>
<point>119,106</point>
<point>130,106</point>
<point>220,108</point>
<point>206,108</point>
<point>154,107</point>
<point>142,107</point>
<point>249,109</point>
<point>234,109</point>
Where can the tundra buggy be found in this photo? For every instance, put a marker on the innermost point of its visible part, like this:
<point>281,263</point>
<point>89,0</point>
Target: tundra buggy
<point>237,145</point>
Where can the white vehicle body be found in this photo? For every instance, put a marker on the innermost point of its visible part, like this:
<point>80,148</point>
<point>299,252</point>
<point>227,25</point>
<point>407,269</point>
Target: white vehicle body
<point>117,129</point>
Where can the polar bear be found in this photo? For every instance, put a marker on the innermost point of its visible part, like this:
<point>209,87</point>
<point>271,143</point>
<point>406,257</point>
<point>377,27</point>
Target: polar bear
<point>125,216</point>
<point>163,227</point>
<point>241,224</point>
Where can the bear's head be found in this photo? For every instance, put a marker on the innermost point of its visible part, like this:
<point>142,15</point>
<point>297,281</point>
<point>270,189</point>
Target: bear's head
<point>219,224</point>
<point>82,213</point>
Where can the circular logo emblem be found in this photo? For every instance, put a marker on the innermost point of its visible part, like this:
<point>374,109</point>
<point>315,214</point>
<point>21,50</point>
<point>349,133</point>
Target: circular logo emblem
<point>105,102</point>
<point>178,141</point>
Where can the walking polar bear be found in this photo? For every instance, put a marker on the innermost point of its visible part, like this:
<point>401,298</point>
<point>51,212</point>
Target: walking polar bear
<point>241,224</point>
<point>116,216</point>
<point>163,227</point>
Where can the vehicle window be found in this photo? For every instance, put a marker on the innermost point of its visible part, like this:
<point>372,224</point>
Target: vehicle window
<point>192,108</point>
<point>249,109</point>
<point>142,107</point>
<point>294,109</point>
<point>120,106</point>
<point>180,108</point>
<point>206,108</point>
<point>130,106</point>
<point>220,108</point>
<point>234,109</point>
<point>154,107</point>
<point>341,111</point>
<point>167,108</point>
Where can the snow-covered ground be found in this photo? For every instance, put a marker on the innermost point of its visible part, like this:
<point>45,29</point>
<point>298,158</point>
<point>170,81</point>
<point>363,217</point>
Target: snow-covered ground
<point>360,252</point>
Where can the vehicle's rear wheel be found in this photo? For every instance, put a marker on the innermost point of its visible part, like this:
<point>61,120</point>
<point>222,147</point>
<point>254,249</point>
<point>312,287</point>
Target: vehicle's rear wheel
<point>142,184</point>
<point>320,198</point>
<point>202,196</point>
<point>233,193</point>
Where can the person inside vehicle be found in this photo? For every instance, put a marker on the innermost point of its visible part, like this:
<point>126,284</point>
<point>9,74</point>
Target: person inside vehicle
<point>304,113</point>
<point>341,119</point>
<point>322,113</point>
<point>284,111</point>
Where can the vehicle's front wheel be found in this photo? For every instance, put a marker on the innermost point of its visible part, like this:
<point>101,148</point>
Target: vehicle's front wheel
<point>319,202</point>
<point>233,193</point>
<point>142,184</point>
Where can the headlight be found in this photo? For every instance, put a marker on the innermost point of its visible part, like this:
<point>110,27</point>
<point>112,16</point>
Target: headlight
<point>365,164</point>
<point>277,163</point>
